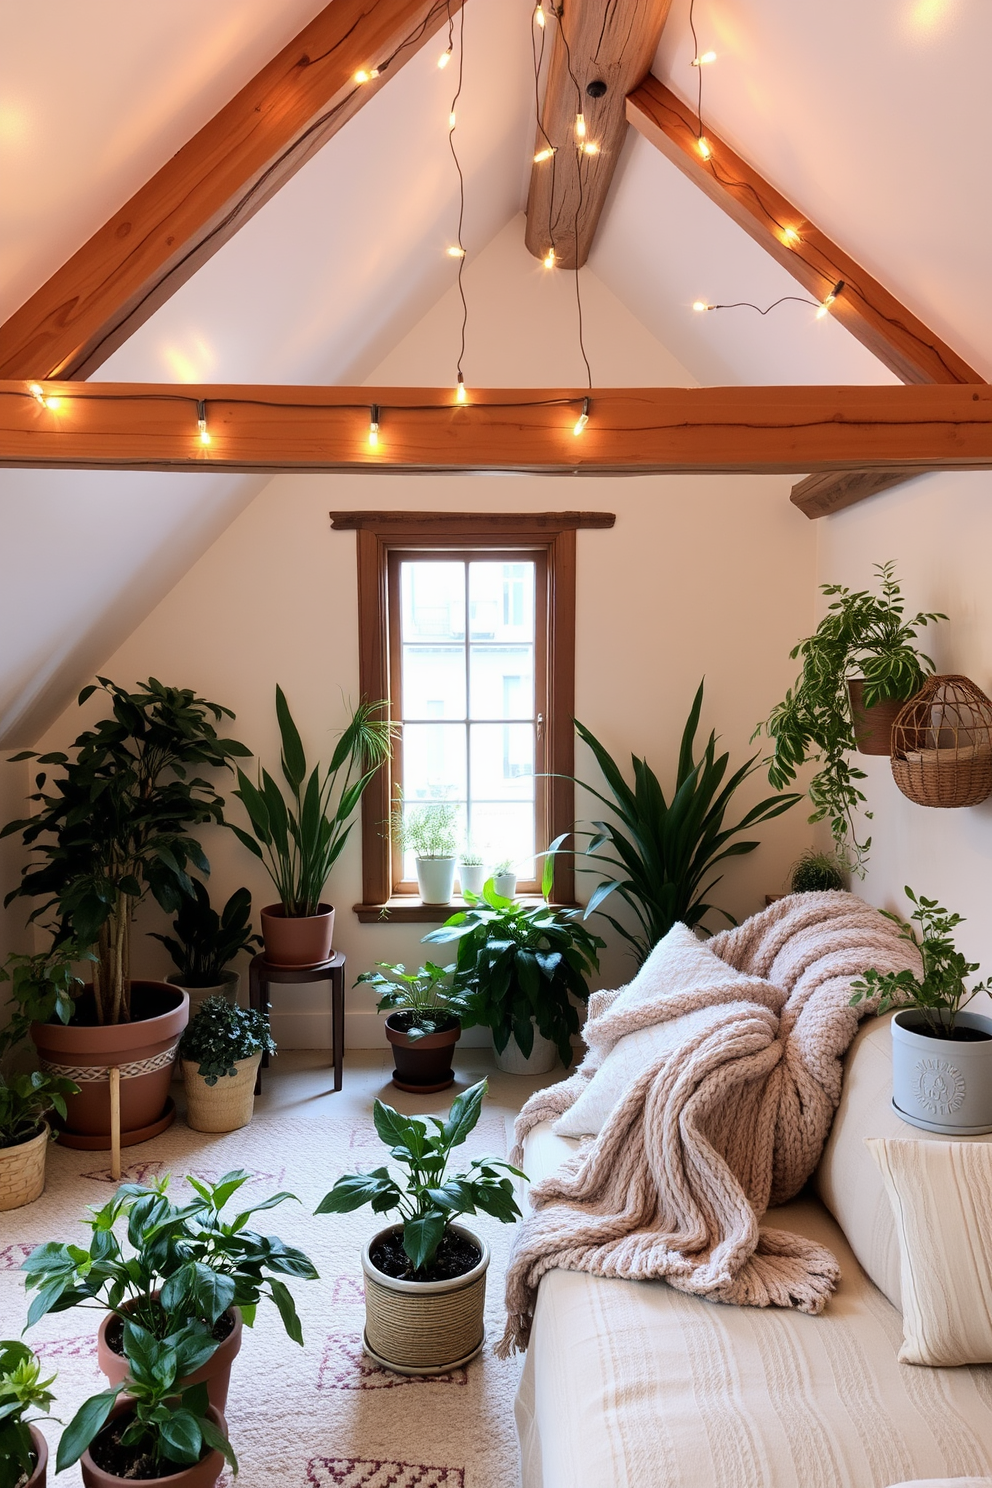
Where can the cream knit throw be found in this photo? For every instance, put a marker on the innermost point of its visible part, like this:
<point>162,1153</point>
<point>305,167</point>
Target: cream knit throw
<point>731,1121</point>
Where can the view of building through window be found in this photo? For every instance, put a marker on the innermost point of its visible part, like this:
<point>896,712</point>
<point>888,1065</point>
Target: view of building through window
<point>467,700</point>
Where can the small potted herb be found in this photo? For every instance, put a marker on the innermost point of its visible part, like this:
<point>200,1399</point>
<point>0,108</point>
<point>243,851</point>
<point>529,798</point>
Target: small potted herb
<point>220,1054</point>
<point>23,1449</point>
<point>505,878</point>
<point>423,1026</point>
<point>941,1056</point>
<point>428,831</point>
<point>425,1276</point>
<point>815,873</point>
<point>205,943</point>
<point>471,871</point>
<point>150,1425</point>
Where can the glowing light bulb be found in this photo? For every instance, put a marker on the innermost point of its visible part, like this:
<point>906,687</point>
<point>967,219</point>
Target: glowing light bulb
<point>455,251</point>
<point>828,301</point>
<point>361,76</point>
<point>590,147</point>
<point>451,120</point>
<point>374,426</point>
<point>201,421</point>
<point>549,259</point>
<point>444,59</point>
<point>580,127</point>
<point>539,15</point>
<point>52,402</point>
<point>790,236</point>
<point>583,417</point>
<point>702,145</point>
<point>704,60</point>
<point>37,392</point>
<point>702,305</point>
<point>544,154</point>
<point>461,396</point>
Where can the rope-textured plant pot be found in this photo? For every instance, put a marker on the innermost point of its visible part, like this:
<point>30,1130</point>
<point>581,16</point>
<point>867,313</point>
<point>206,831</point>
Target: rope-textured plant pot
<point>942,744</point>
<point>425,1327</point>
<point>223,1107</point>
<point>22,1171</point>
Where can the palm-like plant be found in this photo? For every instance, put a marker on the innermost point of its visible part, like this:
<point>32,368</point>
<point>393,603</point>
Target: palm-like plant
<point>299,841</point>
<point>663,852</point>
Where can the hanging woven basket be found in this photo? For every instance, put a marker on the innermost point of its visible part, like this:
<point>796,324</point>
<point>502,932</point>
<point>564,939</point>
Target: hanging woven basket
<point>942,744</point>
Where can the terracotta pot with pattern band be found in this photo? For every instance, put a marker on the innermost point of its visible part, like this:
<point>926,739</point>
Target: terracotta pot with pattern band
<point>144,1051</point>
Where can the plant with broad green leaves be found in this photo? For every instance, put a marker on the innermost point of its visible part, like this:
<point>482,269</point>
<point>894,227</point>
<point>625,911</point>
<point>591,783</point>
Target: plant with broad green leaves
<point>521,962</point>
<point>22,1388</point>
<point>427,829</point>
<point>206,942</point>
<point>940,994</point>
<point>199,1264</point>
<point>166,1427</point>
<point>423,995</point>
<point>25,1103</point>
<point>301,839</point>
<point>220,1034</point>
<point>861,635</point>
<point>428,1198</point>
<point>43,988</point>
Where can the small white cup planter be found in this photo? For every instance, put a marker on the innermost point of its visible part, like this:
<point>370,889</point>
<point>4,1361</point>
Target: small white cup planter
<point>226,1106</point>
<point>542,1058</point>
<point>436,879</point>
<point>505,884</point>
<point>471,877</point>
<point>942,1085</point>
<point>425,1327</point>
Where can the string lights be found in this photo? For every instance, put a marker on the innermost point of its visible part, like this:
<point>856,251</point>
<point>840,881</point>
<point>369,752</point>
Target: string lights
<point>822,307</point>
<point>547,153</point>
<point>539,14</point>
<point>362,76</point>
<point>444,59</point>
<point>374,426</point>
<point>41,397</point>
<point>550,258</point>
<point>457,251</point>
<point>201,421</point>
<point>829,299</point>
<point>704,60</point>
<point>583,417</point>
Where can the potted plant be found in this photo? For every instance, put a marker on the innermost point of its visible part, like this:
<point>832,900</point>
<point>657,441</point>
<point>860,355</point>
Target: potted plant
<point>860,666</point>
<point>425,1276</point>
<point>115,827</point>
<point>423,1026</point>
<point>941,1056</point>
<point>23,1449</point>
<point>505,878</point>
<point>206,943</point>
<point>471,871</point>
<point>186,1265</point>
<point>149,1425</point>
<point>220,1053</point>
<point>300,840</point>
<point>815,873</point>
<point>517,971</point>
<point>428,831</point>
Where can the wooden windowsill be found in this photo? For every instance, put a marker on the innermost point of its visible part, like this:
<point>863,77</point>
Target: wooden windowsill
<point>407,909</point>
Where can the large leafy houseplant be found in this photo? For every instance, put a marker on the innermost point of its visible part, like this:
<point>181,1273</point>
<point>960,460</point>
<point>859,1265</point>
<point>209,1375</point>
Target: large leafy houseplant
<point>22,1388</point>
<point>300,839</point>
<point>204,943</point>
<point>658,855</point>
<point>862,635</point>
<point>116,823</point>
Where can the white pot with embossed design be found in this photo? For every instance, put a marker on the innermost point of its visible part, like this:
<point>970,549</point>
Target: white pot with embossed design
<point>943,1084</point>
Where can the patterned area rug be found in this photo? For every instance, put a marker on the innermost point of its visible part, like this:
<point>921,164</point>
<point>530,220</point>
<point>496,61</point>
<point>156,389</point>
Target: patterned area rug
<point>319,1417</point>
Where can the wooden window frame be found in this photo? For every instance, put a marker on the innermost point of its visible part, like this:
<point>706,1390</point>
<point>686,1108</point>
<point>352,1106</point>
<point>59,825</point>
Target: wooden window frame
<point>552,533</point>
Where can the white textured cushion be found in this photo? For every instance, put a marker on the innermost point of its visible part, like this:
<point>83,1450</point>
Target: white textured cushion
<point>679,963</point>
<point>941,1196</point>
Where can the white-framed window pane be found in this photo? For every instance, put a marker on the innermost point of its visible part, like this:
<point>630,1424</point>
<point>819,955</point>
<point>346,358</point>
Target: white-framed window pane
<point>505,831</point>
<point>434,762</point>
<point>502,761</point>
<point>501,681</point>
<point>433,681</point>
<point>432,600</point>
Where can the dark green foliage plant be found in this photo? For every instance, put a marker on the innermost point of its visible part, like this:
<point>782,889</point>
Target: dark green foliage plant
<point>221,1033</point>
<point>518,962</point>
<point>26,1100</point>
<point>427,1197</point>
<point>861,635</point>
<point>940,994</point>
<point>116,823</point>
<point>42,987</point>
<point>425,995</point>
<point>816,872</point>
<point>22,1389</point>
<point>299,841</point>
<point>206,942</point>
<point>662,853</point>
<point>167,1428</point>
<point>199,1263</point>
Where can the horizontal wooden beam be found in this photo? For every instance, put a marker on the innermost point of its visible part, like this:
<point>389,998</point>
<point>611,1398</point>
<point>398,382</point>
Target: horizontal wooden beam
<point>213,185</point>
<point>780,430</point>
<point>531,523</point>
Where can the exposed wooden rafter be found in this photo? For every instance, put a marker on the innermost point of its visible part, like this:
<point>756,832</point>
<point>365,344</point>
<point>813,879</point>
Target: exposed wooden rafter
<point>213,185</point>
<point>610,47</point>
<point>631,431</point>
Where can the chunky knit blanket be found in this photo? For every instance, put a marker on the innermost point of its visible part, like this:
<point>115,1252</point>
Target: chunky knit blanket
<point>731,1119</point>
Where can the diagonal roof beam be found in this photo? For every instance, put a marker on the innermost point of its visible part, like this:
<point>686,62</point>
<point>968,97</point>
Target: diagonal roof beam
<point>607,45</point>
<point>879,321</point>
<point>213,185</point>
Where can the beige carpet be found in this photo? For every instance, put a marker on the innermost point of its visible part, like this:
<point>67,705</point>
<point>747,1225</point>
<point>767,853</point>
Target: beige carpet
<point>323,1416</point>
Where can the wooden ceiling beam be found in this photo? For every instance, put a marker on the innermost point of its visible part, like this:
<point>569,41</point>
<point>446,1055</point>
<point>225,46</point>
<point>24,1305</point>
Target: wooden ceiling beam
<point>213,185</point>
<point>631,431</point>
<point>608,46</point>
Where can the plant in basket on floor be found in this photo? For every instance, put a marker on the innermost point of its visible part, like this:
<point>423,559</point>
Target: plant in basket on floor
<point>23,1451</point>
<point>115,827</point>
<point>204,943</point>
<point>425,1277</point>
<point>188,1267</point>
<point>220,1053</point>
<point>941,1056</point>
<point>299,841</point>
<point>423,1026</point>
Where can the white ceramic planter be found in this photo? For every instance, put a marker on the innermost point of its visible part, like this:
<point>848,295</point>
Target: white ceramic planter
<point>228,988</point>
<point>425,1327</point>
<point>472,876</point>
<point>436,879</point>
<point>505,884</point>
<point>542,1058</point>
<point>942,1085</point>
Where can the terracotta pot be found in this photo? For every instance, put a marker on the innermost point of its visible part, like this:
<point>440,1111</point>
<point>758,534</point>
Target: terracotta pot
<point>202,1474</point>
<point>216,1372</point>
<point>39,1478</point>
<point>228,987</point>
<point>422,1065</point>
<point>297,940</point>
<point>22,1170</point>
<point>144,1050</point>
<point>425,1327</point>
<point>873,726</point>
<point>226,1106</point>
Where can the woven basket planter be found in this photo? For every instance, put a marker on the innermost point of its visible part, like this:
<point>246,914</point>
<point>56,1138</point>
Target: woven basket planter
<point>425,1327</point>
<point>22,1171</point>
<point>223,1107</point>
<point>942,744</point>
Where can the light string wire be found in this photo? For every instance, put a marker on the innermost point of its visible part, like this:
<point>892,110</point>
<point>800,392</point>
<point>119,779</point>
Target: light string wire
<point>453,125</point>
<point>579,153</point>
<point>537,55</point>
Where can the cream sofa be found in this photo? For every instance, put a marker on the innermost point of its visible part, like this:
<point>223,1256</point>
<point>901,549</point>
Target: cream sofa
<point>637,1385</point>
